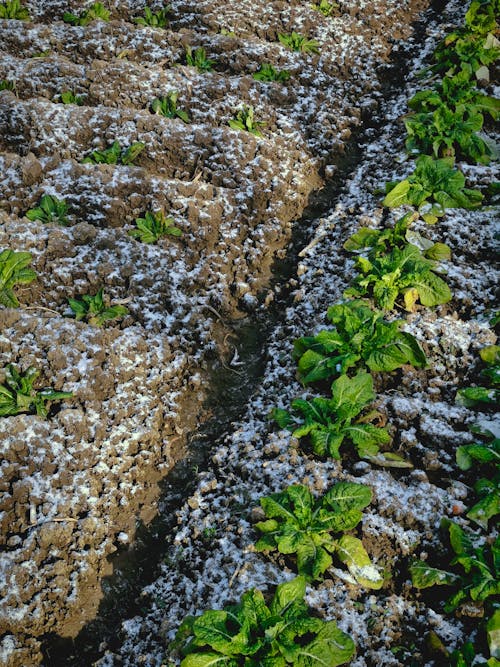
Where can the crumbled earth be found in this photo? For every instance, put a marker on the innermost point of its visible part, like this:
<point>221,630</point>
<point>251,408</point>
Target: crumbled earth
<point>74,485</point>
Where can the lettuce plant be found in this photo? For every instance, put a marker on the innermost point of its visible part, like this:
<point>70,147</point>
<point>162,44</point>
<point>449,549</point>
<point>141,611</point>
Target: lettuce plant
<point>326,8</point>
<point>479,561</point>
<point>69,97</point>
<point>433,187</point>
<point>198,58</point>
<point>94,310</point>
<point>268,73</point>
<point>158,19</point>
<point>312,529</point>
<point>96,12</point>
<point>17,394</point>
<point>360,339</point>
<point>296,42</point>
<point>252,633</point>
<point>153,227</point>
<point>49,209</point>
<point>244,120</point>
<point>329,422</point>
<point>167,106</point>
<point>115,154</point>
<point>14,271</point>
<point>12,9</point>
<point>481,395</point>
<point>405,273</point>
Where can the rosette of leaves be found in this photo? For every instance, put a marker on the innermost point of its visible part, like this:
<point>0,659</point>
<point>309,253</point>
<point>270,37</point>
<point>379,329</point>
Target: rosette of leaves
<point>94,310</point>
<point>198,58</point>
<point>153,227</point>
<point>49,209</point>
<point>167,106</point>
<point>69,97</point>
<point>17,394</point>
<point>252,633</point>
<point>329,422</point>
<point>313,530</point>
<point>402,272</point>
<point>486,457</point>
<point>244,120</point>
<point>433,187</point>
<point>296,42</point>
<point>361,338</point>
<point>484,395</point>
<point>326,8</point>
<point>12,9</point>
<point>14,271</point>
<point>158,19</point>
<point>5,84</point>
<point>96,12</point>
<point>268,73</point>
<point>381,241</point>
<point>476,576</point>
<point>115,154</point>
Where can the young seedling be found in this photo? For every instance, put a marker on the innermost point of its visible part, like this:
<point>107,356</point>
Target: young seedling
<point>251,632</point>
<point>198,58</point>
<point>167,106</point>
<point>490,395</point>
<point>360,339</point>
<point>298,524</point>
<point>115,154</point>
<point>328,422</point>
<point>69,97</point>
<point>402,273</point>
<point>480,562</point>
<point>227,33</point>
<point>296,42</point>
<point>50,209</point>
<point>326,8</point>
<point>14,271</point>
<point>153,227</point>
<point>93,309</point>
<point>5,84</point>
<point>17,394</point>
<point>12,9</point>
<point>267,73</point>
<point>433,187</point>
<point>244,120</point>
<point>96,12</point>
<point>158,19</point>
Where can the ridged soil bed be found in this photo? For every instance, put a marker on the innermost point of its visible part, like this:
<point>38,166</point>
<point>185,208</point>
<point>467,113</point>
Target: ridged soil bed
<point>74,484</point>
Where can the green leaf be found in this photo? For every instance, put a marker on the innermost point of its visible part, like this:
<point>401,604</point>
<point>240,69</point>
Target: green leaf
<point>209,660</point>
<point>288,593</point>
<point>398,195</point>
<point>493,633</point>
<point>330,648</point>
<point>346,496</point>
<point>353,392</point>
<point>487,508</point>
<point>424,576</point>
<point>351,551</point>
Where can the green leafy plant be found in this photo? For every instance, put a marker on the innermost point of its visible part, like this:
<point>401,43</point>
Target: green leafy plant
<point>49,209</point>
<point>298,524</point>
<point>474,396</point>
<point>167,106</point>
<point>14,271</point>
<point>296,42</point>
<point>69,97</point>
<point>198,58</point>
<point>253,634</point>
<point>115,154</point>
<point>153,227</point>
<point>326,8</point>
<point>94,310</point>
<point>480,563</point>
<point>433,187</point>
<point>329,422</point>
<point>17,394</point>
<point>268,73</point>
<point>244,120</point>
<point>381,241</point>
<point>5,84</point>
<point>360,339</point>
<point>12,9</point>
<point>96,12</point>
<point>405,273</point>
<point>158,19</point>
<point>227,33</point>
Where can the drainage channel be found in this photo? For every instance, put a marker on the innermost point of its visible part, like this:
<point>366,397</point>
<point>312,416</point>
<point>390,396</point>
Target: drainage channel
<point>136,567</point>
